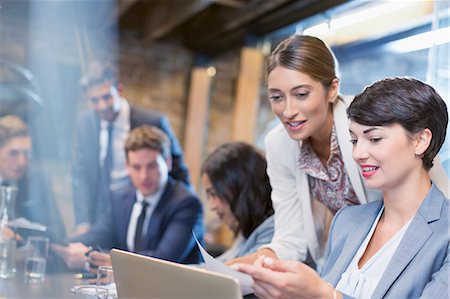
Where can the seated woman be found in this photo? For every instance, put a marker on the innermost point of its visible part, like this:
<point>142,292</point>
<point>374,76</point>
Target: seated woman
<point>238,190</point>
<point>394,248</point>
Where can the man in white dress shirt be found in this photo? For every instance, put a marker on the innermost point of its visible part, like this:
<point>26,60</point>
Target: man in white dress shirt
<point>99,159</point>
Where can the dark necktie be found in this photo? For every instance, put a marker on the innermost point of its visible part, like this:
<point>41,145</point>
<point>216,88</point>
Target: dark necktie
<point>138,237</point>
<point>107,163</point>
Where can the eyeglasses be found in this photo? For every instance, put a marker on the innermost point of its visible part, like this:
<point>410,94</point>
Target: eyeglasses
<point>104,98</point>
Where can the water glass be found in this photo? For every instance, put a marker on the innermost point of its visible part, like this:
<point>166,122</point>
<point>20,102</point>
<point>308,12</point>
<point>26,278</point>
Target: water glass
<point>104,275</point>
<point>36,260</point>
<point>105,278</point>
<point>7,258</point>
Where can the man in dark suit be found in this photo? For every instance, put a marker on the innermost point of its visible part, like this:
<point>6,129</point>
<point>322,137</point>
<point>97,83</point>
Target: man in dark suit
<point>35,200</point>
<point>154,216</point>
<point>99,161</point>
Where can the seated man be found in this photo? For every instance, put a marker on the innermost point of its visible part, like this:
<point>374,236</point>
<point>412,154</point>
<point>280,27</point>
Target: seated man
<point>154,216</point>
<point>35,200</point>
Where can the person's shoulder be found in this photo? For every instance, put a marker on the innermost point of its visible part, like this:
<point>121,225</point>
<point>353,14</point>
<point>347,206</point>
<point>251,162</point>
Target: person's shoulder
<point>124,192</point>
<point>278,137</point>
<point>180,189</point>
<point>346,99</point>
<point>358,213</point>
<point>140,111</point>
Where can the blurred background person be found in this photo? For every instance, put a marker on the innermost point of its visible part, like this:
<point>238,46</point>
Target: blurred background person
<point>35,200</point>
<point>99,160</point>
<point>238,191</point>
<point>154,215</point>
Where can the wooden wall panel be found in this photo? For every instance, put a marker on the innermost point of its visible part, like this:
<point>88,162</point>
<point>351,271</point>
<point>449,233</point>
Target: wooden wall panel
<point>196,124</point>
<point>247,95</point>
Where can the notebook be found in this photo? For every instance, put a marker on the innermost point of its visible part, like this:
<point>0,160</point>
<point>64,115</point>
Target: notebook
<point>138,276</point>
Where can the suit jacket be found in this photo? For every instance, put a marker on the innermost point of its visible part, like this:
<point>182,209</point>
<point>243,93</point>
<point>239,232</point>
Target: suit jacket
<point>295,235</point>
<point>36,202</point>
<point>420,266</point>
<point>86,165</point>
<point>169,233</point>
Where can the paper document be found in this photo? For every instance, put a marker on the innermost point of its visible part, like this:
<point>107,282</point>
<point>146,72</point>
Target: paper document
<point>25,223</point>
<point>214,265</point>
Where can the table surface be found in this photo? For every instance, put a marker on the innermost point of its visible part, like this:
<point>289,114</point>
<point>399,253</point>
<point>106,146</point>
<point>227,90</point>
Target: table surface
<point>55,285</point>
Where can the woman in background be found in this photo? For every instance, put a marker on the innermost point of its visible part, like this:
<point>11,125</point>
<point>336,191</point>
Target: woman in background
<point>238,190</point>
<point>397,247</point>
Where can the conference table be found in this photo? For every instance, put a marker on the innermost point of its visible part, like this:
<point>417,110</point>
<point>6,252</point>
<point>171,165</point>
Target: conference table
<point>55,285</point>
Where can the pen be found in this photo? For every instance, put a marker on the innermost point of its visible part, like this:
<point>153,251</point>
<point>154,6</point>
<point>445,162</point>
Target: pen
<point>85,275</point>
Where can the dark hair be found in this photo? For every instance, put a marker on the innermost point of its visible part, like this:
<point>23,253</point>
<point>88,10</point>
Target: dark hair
<point>98,73</point>
<point>148,137</point>
<point>405,101</point>
<point>306,54</point>
<point>237,172</point>
<point>11,126</point>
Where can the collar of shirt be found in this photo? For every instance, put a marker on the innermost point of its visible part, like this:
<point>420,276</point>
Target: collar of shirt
<point>310,163</point>
<point>122,121</point>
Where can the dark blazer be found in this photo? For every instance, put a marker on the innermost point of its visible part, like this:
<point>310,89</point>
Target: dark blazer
<point>86,169</point>
<point>420,266</point>
<point>36,202</point>
<point>169,234</point>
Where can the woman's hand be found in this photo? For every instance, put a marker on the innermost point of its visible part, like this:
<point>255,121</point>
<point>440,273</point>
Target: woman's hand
<point>251,258</point>
<point>285,279</point>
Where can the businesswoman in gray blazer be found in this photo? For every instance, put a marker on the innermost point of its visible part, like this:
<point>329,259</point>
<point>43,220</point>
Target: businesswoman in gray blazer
<point>394,248</point>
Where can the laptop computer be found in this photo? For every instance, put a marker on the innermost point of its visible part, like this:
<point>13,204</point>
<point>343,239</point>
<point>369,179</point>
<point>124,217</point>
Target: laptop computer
<point>138,276</point>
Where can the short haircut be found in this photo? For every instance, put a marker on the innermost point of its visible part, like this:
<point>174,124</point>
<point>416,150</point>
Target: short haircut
<point>98,73</point>
<point>148,137</point>
<point>11,126</point>
<point>237,172</point>
<point>405,101</point>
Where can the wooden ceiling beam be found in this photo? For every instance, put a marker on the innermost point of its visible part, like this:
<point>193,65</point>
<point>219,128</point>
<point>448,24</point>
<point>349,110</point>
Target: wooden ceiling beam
<point>166,16</point>
<point>124,6</point>
<point>251,12</point>
<point>231,3</point>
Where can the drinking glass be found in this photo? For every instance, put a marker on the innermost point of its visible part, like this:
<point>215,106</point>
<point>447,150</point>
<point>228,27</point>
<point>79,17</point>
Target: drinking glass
<point>36,260</point>
<point>7,258</point>
<point>105,278</point>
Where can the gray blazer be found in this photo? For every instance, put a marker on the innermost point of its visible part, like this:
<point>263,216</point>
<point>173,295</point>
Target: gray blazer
<point>420,267</point>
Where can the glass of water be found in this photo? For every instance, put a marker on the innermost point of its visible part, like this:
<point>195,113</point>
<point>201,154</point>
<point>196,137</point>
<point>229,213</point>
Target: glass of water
<point>7,258</point>
<point>36,259</point>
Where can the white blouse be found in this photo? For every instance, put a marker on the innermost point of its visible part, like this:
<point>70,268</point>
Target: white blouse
<point>360,283</point>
